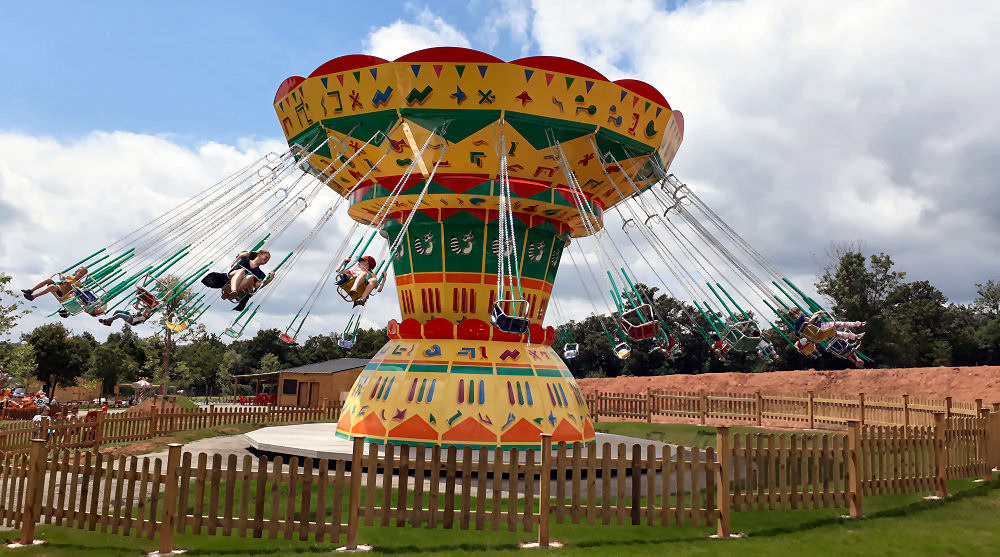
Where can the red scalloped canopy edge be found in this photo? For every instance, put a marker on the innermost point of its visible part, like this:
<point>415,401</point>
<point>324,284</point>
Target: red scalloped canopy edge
<point>348,62</point>
<point>286,87</point>
<point>460,54</point>
<point>644,89</point>
<point>448,54</point>
<point>561,65</point>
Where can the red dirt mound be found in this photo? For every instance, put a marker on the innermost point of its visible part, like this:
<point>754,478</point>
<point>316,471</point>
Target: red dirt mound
<point>961,383</point>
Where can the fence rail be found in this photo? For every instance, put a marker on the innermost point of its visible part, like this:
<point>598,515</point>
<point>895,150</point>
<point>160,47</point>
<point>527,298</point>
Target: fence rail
<point>794,410</point>
<point>480,489</point>
<point>107,429</point>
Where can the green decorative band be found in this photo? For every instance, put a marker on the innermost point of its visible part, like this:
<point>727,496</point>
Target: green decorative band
<point>480,370</point>
<point>392,367</point>
<point>548,372</point>
<point>501,370</point>
<point>429,368</point>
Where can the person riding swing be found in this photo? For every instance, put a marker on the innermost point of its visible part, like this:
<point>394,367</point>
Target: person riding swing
<point>244,278</point>
<point>355,284</point>
<point>719,346</point>
<point>812,328</point>
<point>62,289</point>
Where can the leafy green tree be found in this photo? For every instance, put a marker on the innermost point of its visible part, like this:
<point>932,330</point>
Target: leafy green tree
<point>269,363</point>
<point>988,300</point>
<point>60,358</point>
<point>12,306</point>
<point>859,288</point>
<point>19,361</point>
<point>109,364</point>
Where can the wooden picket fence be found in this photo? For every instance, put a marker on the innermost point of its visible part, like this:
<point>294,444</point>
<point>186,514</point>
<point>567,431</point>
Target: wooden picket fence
<point>434,487</point>
<point>118,428</point>
<point>794,410</point>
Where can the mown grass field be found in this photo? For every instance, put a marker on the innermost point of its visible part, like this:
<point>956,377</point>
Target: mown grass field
<point>965,524</point>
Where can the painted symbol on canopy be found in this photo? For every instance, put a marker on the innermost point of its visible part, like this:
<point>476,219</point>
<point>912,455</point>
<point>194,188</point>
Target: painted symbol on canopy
<point>452,419</point>
<point>524,97</point>
<point>356,100</point>
<point>510,420</point>
<point>468,351</point>
<point>485,420</point>
<point>381,97</point>
<point>459,95</point>
<point>486,97</point>
<point>512,354</point>
<point>434,350</point>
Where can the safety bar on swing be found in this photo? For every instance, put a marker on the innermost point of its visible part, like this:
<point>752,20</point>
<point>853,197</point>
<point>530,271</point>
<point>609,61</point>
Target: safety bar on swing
<point>570,349</point>
<point>510,323</point>
<point>623,350</point>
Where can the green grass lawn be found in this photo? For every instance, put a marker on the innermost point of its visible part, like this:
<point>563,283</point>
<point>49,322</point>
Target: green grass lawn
<point>677,434</point>
<point>965,524</point>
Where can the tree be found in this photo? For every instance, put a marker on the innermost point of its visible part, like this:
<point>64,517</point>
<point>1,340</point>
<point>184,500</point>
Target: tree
<point>858,288</point>
<point>109,364</point>
<point>61,359</point>
<point>19,361</point>
<point>988,300</point>
<point>12,306</point>
<point>269,364</point>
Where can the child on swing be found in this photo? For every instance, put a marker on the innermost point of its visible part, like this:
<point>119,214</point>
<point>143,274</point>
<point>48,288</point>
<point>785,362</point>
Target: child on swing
<point>352,279</point>
<point>62,289</point>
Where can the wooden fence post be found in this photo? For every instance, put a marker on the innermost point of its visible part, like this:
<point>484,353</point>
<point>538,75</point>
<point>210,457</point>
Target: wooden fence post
<point>861,407</point>
<point>854,468</point>
<point>702,407</point>
<point>983,446</point>
<point>98,431</point>
<point>169,519</point>
<point>941,453</point>
<point>544,485</point>
<point>32,492</point>
<point>979,407</point>
<point>649,405</point>
<point>354,502</point>
<point>760,408</point>
<point>723,499</point>
<point>906,415</point>
<point>153,425</point>
<point>947,407</point>
<point>812,412</point>
<point>211,415</point>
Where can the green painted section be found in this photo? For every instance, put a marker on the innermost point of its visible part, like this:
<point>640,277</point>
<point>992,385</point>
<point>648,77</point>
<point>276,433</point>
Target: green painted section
<point>392,367</point>
<point>310,137</point>
<point>424,245</point>
<point>367,124</point>
<point>544,372</point>
<point>463,243</point>
<point>493,235</point>
<point>472,370</point>
<point>401,259</point>
<point>533,128</point>
<point>535,262</point>
<point>429,368</point>
<point>621,146</point>
<point>522,371</point>
<point>461,123</point>
<point>371,366</point>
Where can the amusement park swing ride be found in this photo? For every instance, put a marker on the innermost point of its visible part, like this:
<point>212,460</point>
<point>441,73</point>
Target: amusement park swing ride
<point>468,178</point>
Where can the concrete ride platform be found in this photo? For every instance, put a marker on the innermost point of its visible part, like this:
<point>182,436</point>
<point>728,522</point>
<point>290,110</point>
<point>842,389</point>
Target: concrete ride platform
<point>319,441</point>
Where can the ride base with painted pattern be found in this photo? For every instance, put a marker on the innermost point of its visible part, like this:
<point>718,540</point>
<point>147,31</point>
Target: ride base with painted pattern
<point>447,377</point>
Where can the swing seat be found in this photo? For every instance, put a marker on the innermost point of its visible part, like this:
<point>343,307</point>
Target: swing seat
<point>177,327</point>
<point>638,323</point>
<point>570,350</point>
<point>145,299</point>
<point>232,333</point>
<point>344,343</point>
<point>746,344</point>
<point>841,347</point>
<point>510,323</point>
<point>623,351</point>
<point>283,337</point>
<point>641,332</point>
<point>72,306</point>
<point>87,297</point>
<point>352,289</point>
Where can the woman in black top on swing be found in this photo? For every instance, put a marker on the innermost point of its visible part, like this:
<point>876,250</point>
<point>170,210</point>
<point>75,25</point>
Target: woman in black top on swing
<point>246,276</point>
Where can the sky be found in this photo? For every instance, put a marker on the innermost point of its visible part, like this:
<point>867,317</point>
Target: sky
<point>807,124</point>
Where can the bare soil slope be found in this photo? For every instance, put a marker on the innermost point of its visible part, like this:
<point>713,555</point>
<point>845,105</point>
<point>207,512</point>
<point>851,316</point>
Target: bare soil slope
<point>961,383</point>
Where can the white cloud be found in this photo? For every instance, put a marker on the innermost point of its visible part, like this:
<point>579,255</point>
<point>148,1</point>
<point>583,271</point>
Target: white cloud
<point>809,122</point>
<point>402,37</point>
<point>62,200</point>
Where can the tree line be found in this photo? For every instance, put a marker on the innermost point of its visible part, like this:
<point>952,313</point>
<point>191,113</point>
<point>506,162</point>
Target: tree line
<point>910,324</point>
